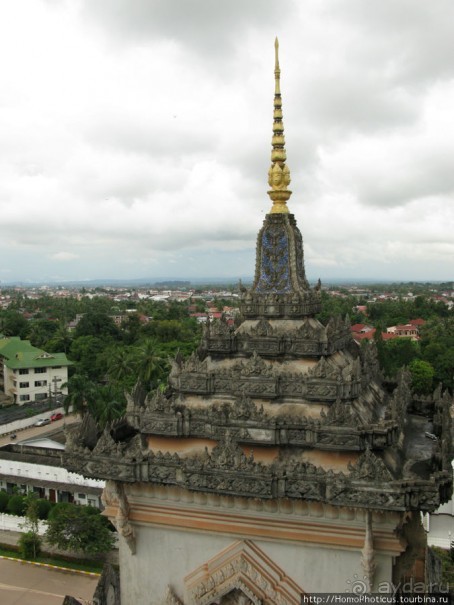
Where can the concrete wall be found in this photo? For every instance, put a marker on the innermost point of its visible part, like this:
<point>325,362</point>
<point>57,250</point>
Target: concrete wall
<point>14,523</point>
<point>46,472</point>
<point>24,423</point>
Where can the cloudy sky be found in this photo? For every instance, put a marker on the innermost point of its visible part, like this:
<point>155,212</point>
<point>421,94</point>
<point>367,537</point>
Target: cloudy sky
<point>136,134</point>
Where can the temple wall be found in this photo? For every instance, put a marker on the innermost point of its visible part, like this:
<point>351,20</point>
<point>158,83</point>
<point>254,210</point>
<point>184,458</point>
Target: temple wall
<point>165,556</point>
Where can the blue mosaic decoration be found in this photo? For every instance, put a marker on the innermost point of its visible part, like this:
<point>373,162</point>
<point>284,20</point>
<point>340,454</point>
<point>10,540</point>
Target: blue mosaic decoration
<point>274,260</point>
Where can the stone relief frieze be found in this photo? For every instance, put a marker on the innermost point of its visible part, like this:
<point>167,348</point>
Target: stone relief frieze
<point>228,470</point>
<point>193,383</point>
<point>322,391</point>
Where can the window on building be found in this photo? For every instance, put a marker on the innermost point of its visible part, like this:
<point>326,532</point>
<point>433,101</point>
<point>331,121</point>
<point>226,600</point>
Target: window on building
<point>40,396</point>
<point>40,383</point>
<point>81,496</point>
<point>40,370</point>
<point>24,385</point>
<point>23,371</point>
<point>24,397</point>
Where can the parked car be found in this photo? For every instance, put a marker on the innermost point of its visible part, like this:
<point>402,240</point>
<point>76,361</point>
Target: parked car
<point>56,416</point>
<point>42,421</point>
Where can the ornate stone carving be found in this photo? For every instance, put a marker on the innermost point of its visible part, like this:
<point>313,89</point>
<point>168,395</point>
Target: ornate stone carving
<point>245,409</point>
<point>136,450</point>
<point>195,364</point>
<point>245,571</point>
<point>341,414</point>
<point>219,327</point>
<point>135,398</point>
<point>156,401</point>
<point>369,467</point>
<point>262,328</point>
<point>228,454</point>
<point>106,446</point>
<point>255,366</point>
<point>114,495</point>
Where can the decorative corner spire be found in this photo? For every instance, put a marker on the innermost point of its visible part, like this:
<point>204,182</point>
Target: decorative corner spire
<point>278,174</point>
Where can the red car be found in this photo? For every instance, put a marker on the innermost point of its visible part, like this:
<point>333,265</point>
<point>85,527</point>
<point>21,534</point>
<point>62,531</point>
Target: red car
<point>56,416</point>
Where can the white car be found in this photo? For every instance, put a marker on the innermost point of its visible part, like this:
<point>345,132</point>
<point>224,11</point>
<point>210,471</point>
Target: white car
<point>42,421</point>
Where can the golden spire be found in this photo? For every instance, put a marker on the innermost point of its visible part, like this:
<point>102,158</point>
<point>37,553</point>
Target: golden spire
<point>278,174</point>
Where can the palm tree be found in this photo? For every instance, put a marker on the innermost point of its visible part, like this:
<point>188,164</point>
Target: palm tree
<point>108,405</point>
<point>81,390</point>
<point>152,366</point>
<point>60,341</point>
<point>122,366</point>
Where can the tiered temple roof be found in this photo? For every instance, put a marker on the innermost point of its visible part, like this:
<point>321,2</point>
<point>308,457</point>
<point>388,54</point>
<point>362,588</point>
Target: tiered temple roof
<point>278,406</point>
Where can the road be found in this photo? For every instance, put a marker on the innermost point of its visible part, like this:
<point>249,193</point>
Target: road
<point>37,431</point>
<point>27,584</point>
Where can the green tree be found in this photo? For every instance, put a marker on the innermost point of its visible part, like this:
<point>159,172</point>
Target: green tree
<point>13,323</point>
<point>41,331</point>
<point>79,529</point>
<point>95,323</point>
<point>81,391</point>
<point>44,507</point>
<point>396,353</point>
<point>60,342</point>
<point>16,505</point>
<point>122,365</point>
<point>131,328</point>
<point>4,497</point>
<point>30,541</point>
<point>422,375</point>
<point>87,352</point>
<point>152,366</point>
<point>437,345</point>
<point>108,404</point>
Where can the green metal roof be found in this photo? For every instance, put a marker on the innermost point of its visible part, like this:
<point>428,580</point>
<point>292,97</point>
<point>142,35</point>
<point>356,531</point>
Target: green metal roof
<point>19,354</point>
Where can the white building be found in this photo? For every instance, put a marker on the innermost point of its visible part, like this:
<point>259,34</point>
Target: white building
<point>30,374</point>
<point>33,465</point>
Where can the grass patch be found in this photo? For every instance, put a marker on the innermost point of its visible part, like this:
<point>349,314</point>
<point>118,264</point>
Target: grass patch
<point>58,561</point>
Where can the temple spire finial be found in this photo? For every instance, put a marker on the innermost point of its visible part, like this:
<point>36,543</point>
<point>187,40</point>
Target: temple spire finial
<point>278,174</point>
<point>277,71</point>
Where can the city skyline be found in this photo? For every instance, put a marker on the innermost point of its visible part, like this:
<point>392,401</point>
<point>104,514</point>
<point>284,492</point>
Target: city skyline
<point>137,137</point>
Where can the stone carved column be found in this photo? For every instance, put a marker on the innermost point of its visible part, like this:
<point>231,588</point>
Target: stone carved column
<point>114,495</point>
<point>368,554</point>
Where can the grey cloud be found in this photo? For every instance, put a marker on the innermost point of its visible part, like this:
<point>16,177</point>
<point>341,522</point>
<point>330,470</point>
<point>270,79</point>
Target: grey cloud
<point>354,102</point>
<point>416,35</point>
<point>158,137</point>
<point>208,27</point>
<point>423,173</point>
